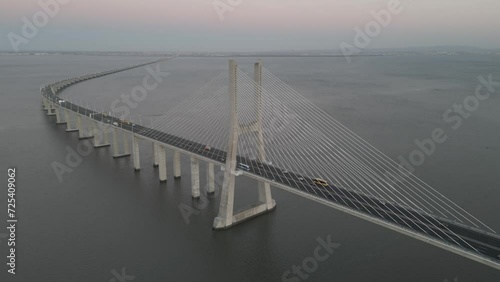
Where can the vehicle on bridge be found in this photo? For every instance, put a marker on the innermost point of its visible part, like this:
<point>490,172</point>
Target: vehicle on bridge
<point>321,182</point>
<point>244,166</point>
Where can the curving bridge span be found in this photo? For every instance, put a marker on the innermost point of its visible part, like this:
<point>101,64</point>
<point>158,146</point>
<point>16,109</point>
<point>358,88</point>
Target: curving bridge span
<point>455,231</point>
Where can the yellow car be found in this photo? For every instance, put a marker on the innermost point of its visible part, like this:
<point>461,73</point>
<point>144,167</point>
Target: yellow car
<point>319,181</point>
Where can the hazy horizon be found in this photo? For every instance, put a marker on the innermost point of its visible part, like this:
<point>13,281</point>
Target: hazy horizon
<point>243,25</point>
<point>407,48</point>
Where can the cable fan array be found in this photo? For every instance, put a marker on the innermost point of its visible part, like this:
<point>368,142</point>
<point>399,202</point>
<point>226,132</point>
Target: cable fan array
<point>302,139</point>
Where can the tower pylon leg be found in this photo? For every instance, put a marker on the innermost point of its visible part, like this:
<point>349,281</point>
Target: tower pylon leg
<point>265,196</point>
<point>226,208</point>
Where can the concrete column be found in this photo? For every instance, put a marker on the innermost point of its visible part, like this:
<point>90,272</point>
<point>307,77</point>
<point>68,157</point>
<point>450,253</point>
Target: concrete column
<point>126,149</point>
<point>210,178</point>
<point>50,111</point>
<point>79,126</point>
<point>162,159</point>
<point>177,164</point>
<point>89,131</point>
<point>66,118</point>
<point>58,115</point>
<point>265,196</point>
<point>106,134</point>
<point>195,178</point>
<point>155,154</point>
<point>53,109</point>
<point>116,150</point>
<point>69,124</point>
<point>135,150</point>
<point>97,136</point>
<point>81,130</point>
<point>100,137</point>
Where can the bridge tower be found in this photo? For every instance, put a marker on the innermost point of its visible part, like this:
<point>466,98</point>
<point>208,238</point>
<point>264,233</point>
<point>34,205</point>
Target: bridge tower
<point>226,217</point>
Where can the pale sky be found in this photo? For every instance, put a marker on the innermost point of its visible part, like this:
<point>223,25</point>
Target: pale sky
<point>253,25</point>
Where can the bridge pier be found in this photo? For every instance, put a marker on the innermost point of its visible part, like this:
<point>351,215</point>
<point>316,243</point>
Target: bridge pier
<point>51,109</point>
<point>265,196</point>
<point>135,151</point>
<point>177,164</point>
<point>162,159</point>
<point>81,130</point>
<point>44,103</point>
<point>100,135</point>
<point>58,116</point>
<point>155,154</point>
<point>68,122</point>
<point>210,178</point>
<point>227,217</point>
<point>126,149</point>
<point>116,148</point>
<point>195,178</point>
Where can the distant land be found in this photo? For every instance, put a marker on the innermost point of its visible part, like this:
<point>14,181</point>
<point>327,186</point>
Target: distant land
<point>408,51</point>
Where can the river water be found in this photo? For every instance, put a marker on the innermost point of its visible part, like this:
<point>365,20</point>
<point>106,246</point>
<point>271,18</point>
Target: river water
<point>103,217</point>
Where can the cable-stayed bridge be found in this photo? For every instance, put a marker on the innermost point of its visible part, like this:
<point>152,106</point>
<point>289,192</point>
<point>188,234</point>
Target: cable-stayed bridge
<point>261,128</point>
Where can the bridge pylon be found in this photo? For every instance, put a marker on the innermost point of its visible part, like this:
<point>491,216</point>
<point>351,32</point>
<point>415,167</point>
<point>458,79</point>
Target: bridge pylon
<point>226,217</point>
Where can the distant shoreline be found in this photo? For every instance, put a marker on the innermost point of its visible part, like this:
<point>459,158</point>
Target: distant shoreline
<point>284,54</point>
